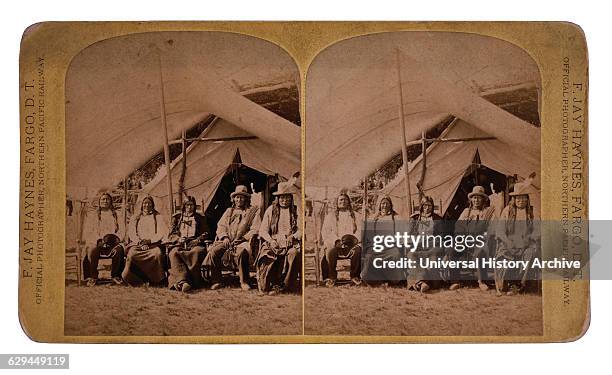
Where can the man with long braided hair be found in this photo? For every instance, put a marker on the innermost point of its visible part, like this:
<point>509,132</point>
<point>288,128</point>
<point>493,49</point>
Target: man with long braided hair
<point>385,219</point>
<point>279,259</point>
<point>474,220</point>
<point>232,247</point>
<point>518,238</point>
<point>145,255</point>
<point>188,235</point>
<point>102,235</point>
<point>341,232</point>
<point>424,222</point>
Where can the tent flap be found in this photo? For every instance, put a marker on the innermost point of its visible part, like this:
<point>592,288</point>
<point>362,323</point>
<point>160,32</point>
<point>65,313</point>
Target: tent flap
<point>208,162</point>
<point>448,161</point>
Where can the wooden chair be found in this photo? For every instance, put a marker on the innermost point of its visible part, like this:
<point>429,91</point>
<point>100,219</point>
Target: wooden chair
<point>74,252</point>
<point>315,265</point>
<point>313,254</point>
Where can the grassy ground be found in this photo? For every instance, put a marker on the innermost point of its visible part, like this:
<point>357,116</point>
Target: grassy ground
<point>118,310</point>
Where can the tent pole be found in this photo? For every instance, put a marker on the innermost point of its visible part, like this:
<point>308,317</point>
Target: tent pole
<point>316,244</point>
<point>183,165</point>
<point>221,139</point>
<point>125,205</point>
<point>162,106</point>
<point>440,140</point>
<point>79,239</point>
<point>365,200</point>
<point>423,165</point>
<point>323,211</point>
<point>403,131</point>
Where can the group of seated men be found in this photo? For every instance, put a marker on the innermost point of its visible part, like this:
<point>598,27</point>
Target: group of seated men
<point>185,255</point>
<point>516,238</point>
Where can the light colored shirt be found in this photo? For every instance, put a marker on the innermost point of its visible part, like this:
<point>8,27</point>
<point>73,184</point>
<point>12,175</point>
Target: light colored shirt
<point>149,228</point>
<point>521,237</point>
<point>94,229</point>
<point>333,229</point>
<point>284,225</point>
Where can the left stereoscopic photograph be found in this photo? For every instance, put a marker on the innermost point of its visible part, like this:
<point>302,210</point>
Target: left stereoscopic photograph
<point>183,195</point>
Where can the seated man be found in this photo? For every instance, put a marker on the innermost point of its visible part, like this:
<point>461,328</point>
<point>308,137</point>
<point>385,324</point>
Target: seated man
<point>474,220</point>
<point>425,222</point>
<point>102,237</point>
<point>336,226</point>
<point>279,259</point>
<point>235,229</point>
<point>518,238</point>
<point>189,234</point>
<point>145,255</point>
<point>386,219</point>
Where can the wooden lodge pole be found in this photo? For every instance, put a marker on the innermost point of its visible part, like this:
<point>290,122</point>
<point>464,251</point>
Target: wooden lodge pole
<point>181,187</point>
<point>423,166</point>
<point>400,96</point>
<point>125,207</point>
<point>162,107</point>
<point>365,200</point>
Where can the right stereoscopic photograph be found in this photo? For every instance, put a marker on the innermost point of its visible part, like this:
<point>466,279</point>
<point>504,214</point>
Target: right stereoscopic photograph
<point>422,150</point>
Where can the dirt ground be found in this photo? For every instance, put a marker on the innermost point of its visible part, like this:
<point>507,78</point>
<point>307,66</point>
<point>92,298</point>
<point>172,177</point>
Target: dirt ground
<point>118,310</point>
<point>348,310</point>
<point>392,311</point>
<point>343,310</point>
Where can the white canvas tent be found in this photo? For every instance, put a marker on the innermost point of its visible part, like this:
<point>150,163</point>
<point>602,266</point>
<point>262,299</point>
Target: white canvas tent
<point>208,162</point>
<point>113,122</point>
<point>447,162</point>
<point>353,123</point>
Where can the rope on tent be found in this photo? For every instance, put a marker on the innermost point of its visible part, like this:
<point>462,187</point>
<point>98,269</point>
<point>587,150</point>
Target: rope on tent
<point>192,186</point>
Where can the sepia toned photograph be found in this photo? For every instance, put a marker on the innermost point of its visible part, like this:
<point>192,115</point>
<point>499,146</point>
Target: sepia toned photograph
<point>437,132</point>
<point>183,203</point>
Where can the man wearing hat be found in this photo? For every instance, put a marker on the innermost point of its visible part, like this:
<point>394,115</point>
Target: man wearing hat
<point>518,237</point>
<point>189,234</point>
<point>279,259</point>
<point>474,220</point>
<point>238,225</point>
